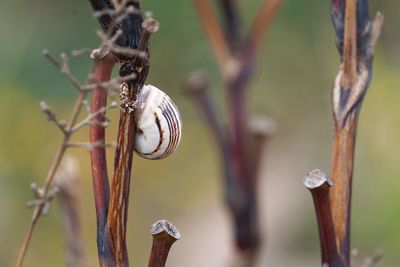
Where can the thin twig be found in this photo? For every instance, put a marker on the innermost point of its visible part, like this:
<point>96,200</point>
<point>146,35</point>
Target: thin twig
<point>88,120</point>
<point>50,176</point>
<point>63,66</point>
<point>110,85</point>
<point>51,116</point>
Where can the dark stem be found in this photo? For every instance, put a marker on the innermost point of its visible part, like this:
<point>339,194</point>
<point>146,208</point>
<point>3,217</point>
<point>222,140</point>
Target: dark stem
<point>319,185</point>
<point>164,235</point>
<point>102,72</point>
<point>119,199</point>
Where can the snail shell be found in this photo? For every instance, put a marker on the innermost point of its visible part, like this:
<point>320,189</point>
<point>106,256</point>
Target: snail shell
<point>159,124</point>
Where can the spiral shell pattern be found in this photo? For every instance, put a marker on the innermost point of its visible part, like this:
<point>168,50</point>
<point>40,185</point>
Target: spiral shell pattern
<point>159,124</point>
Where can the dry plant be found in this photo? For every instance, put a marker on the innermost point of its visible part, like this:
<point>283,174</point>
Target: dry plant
<point>240,143</point>
<point>356,37</point>
<point>44,194</point>
<point>125,41</point>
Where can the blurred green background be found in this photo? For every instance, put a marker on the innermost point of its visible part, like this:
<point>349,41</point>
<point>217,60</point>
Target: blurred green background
<point>292,85</point>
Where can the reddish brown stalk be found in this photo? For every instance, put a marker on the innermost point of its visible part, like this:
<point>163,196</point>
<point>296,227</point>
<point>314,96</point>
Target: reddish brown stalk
<point>102,72</point>
<point>119,198</point>
<point>319,185</point>
<point>164,236</point>
<point>347,97</point>
<point>342,166</point>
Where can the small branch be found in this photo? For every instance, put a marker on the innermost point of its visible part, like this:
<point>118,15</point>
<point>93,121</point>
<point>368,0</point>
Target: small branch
<point>89,119</point>
<point>63,66</point>
<point>40,199</point>
<point>55,165</point>
<point>110,85</point>
<point>51,116</point>
<point>215,35</point>
<point>319,185</point>
<point>66,180</point>
<point>164,235</point>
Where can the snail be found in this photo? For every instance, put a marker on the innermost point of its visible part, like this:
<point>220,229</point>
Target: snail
<point>159,124</point>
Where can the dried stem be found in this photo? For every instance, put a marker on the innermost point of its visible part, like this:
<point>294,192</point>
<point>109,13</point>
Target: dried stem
<point>57,159</point>
<point>164,235</point>
<point>319,185</point>
<point>352,81</point>
<point>102,72</point>
<point>236,64</point>
<point>119,198</point>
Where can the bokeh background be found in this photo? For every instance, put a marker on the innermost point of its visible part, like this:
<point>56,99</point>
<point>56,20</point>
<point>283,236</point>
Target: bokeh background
<point>296,69</point>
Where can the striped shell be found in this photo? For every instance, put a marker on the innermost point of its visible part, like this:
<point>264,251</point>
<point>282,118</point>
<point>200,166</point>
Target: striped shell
<point>159,124</point>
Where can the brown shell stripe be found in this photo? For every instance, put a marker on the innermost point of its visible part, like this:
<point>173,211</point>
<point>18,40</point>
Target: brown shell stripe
<point>173,123</point>
<point>161,133</point>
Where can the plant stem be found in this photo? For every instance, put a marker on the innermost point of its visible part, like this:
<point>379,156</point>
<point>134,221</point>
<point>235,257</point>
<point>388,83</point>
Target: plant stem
<point>164,236</point>
<point>102,72</point>
<point>319,185</point>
